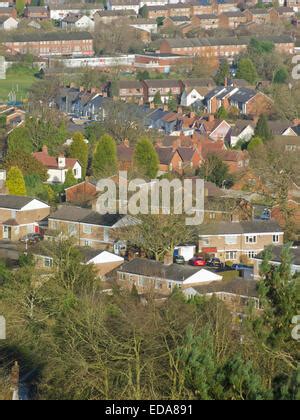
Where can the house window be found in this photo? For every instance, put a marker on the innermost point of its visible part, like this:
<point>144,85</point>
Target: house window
<point>204,240</point>
<point>170,285</point>
<point>275,239</point>
<point>230,240</point>
<point>87,229</point>
<point>142,281</point>
<point>251,239</point>
<point>231,255</point>
<point>48,262</point>
<point>87,243</point>
<point>72,229</point>
<point>106,235</point>
<point>251,254</point>
<point>212,216</point>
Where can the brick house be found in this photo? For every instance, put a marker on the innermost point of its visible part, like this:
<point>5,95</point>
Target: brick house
<point>87,227</point>
<point>81,194</point>
<point>150,276</point>
<point>51,44</point>
<point>8,12</point>
<point>281,13</point>
<point>206,21</point>
<point>231,241</point>
<point>108,16</point>
<point>20,216</point>
<point>125,156</point>
<point>57,167</point>
<point>232,20</point>
<point>37,12</point>
<point>159,62</point>
<point>131,90</point>
<point>103,261</point>
<point>258,16</point>
<point>165,87</point>
<point>220,47</point>
<point>236,160</point>
<point>169,160</point>
<point>248,101</point>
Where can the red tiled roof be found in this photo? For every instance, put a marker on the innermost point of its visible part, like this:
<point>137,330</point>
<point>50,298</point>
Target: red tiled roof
<point>51,162</point>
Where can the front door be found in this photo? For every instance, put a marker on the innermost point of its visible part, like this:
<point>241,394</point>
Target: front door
<point>7,232</point>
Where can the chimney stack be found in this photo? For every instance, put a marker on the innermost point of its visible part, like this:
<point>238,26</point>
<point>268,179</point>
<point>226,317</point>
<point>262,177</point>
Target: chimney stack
<point>211,117</point>
<point>168,259</point>
<point>61,161</point>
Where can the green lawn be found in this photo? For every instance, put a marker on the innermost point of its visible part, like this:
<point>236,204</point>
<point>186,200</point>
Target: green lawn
<point>19,79</point>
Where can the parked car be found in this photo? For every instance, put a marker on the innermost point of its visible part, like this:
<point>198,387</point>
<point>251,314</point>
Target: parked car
<point>31,238</point>
<point>215,263</point>
<point>198,262</point>
<point>178,259</point>
<point>238,267</point>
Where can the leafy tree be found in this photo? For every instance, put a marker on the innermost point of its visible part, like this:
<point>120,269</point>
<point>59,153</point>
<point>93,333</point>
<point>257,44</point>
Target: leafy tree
<point>144,12</point>
<point>222,114</point>
<point>254,144</point>
<point>281,76</point>
<point>80,150</point>
<point>143,75</point>
<point>246,70</point>
<point>216,171</point>
<point>172,103</point>
<point>146,159</point>
<point>26,163</point>
<point>157,99</point>
<point>15,182</point>
<point>262,129</point>
<point>223,73</point>
<point>260,47</point>
<point>20,6</point>
<point>20,140</point>
<point>70,179</point>
<point>105,157</point>
<point>2,121</point>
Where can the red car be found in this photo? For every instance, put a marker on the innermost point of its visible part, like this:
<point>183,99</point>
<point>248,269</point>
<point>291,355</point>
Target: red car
<point>198,262</point>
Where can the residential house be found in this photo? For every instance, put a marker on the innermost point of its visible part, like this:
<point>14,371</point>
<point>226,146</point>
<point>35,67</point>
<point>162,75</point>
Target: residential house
<point>104,262</point>
<point>220,47</point>
<point>162,63</point>
<point>276,260</point>
<point>20,216</point>
<point>80,22</point>
<point>241,131</point>
<point>172,22</point>
<point>125,156</point>
<point>150,276</point>
<point>37,12</point>
<point>87,227</point>
<point>57,167</point>
<point>284,128</point>
<point>282,13</point>
<point>248,101</point>
<point>60,11</point>
<point>288,143</point>
<point>237,294</point>
<point>82,194</point>
<point>232,20</point>
<point>258,16</point>
<point>56,43</point>
<point>165,88</point>
<point>106,17</point>
<point>293,208</point>
<point>8,12</point>
<point>223,208</point>
<point>131,90</point>
<point>169,160</point>
<point>8,23</point>
<point>147,25</point>
<point>206,21</point>
<point>233,241</point>
<point>236,160</point>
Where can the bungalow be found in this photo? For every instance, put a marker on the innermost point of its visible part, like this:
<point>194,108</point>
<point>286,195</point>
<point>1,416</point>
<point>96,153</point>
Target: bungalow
<point>233,241</point>
<point>276,260</point>
<point>20,216</point>
<point>131,90</point>
<point>104,262</point>
<point>150,276</point>
<point>58,167</point>
<point>87,227</point>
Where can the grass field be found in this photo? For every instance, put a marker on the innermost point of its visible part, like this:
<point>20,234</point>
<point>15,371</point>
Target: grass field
<point>19,79</point>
